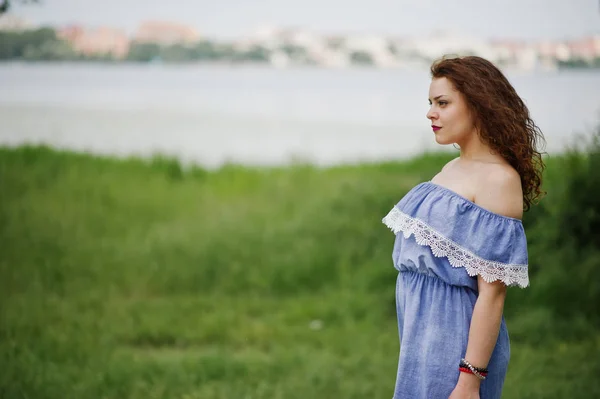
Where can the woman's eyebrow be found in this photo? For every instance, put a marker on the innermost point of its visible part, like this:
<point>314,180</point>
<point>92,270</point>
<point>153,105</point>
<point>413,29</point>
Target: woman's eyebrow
<point>436,97</point>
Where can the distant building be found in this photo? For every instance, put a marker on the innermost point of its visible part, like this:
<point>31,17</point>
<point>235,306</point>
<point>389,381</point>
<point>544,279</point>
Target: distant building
<point>165,33</point>
<point>268,37</point>
<point>557,50</point>
<point>99,41</point>
<point>586,48</point>
<point>516,54</point>
<point>15,24</point>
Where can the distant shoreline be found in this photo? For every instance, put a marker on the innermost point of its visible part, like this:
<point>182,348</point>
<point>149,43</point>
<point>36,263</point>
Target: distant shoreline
<point>292,67</point>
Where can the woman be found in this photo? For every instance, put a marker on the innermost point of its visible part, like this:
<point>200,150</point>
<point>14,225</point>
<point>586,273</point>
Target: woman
<point>459,237</point>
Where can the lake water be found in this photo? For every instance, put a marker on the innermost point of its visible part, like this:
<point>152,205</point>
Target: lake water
<point>256,115</point>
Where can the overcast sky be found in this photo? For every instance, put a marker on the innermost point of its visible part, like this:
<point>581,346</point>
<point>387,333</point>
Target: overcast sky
<point>527,19</point>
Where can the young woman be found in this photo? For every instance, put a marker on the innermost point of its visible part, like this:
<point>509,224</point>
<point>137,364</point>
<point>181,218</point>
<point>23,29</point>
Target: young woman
<point>459,237</point>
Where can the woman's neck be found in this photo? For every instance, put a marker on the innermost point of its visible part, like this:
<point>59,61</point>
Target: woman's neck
<point>474,149</point>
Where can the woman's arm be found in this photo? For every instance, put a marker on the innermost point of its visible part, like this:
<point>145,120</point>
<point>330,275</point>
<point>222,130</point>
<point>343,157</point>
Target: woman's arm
<point>501,193</point>
<point>483,333</point>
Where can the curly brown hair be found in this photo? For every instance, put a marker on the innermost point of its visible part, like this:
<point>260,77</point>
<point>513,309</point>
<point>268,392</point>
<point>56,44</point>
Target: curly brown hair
<point>501,117</point>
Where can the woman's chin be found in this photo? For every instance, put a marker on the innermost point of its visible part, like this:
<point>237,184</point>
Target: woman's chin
<point>443,140</point>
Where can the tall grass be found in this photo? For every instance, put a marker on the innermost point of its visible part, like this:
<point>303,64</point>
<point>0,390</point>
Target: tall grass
<point>130,278</point>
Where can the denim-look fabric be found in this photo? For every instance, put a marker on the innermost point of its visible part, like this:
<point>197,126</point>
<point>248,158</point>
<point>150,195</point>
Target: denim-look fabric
<point>443,241</point>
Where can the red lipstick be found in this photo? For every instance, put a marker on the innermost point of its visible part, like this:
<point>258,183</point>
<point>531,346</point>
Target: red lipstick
<point>435,128</point>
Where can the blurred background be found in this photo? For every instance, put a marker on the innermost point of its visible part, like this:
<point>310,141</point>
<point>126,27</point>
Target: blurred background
<point>191,192</point>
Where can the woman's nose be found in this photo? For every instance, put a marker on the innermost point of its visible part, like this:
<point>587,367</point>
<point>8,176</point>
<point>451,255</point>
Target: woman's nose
<point>431,114</point>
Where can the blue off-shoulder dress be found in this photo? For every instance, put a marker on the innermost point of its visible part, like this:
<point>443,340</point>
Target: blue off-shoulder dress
<point>443,241</point>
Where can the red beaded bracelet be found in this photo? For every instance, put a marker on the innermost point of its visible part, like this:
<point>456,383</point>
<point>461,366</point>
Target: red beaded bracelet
<point>467,370</point>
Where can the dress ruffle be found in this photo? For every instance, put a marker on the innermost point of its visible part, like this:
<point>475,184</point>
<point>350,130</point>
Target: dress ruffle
<point>482,242</point>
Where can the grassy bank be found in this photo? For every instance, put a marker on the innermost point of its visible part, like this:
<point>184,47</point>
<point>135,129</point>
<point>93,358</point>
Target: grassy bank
<point>139,279</point>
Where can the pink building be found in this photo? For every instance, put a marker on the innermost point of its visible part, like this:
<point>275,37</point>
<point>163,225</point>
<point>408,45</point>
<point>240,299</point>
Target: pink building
<point>586,48</point>
<point>165,33</point>
<point>554,49</point>
<point>99,41</point>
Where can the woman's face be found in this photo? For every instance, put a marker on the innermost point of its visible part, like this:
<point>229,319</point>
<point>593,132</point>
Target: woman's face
<point>450,118</point>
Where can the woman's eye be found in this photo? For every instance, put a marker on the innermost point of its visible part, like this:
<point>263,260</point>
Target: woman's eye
<point>443,102</point>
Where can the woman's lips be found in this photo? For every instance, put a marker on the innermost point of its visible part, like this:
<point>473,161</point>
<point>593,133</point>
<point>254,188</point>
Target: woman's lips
<point>435,128</point>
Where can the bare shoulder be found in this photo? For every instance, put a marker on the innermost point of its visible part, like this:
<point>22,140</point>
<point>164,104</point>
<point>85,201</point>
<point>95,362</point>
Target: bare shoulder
<point>500,191</point>
<point>450,163</point>
<point>446,169</point>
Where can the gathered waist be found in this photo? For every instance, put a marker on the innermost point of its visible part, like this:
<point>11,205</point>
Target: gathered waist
<point>421,276</point>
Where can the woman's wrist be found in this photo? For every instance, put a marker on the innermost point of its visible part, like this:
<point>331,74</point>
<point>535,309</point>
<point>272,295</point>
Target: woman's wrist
<point>469,381</point>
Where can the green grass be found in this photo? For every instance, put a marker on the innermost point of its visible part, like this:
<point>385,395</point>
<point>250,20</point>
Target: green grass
<point>145,279</point>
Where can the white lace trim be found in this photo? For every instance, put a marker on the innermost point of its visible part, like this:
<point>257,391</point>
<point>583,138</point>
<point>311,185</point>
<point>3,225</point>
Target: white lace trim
<point>509,274</point>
